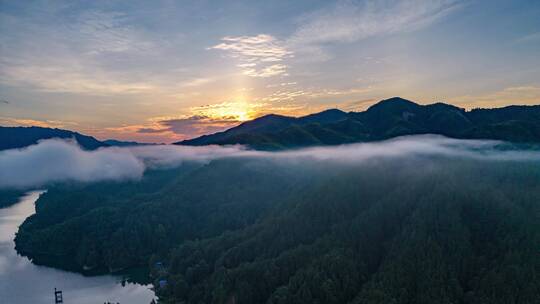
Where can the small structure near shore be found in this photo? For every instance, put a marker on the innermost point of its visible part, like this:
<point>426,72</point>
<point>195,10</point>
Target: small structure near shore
<point>58,298</point>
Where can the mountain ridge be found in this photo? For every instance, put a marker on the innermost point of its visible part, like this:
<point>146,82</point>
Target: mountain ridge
<point>386,119</point>
<point>20,137</point>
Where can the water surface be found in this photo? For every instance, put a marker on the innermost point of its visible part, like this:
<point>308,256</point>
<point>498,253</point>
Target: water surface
<point>22,282</point>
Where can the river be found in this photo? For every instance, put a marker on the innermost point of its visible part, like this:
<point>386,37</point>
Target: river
<point>22,282</point>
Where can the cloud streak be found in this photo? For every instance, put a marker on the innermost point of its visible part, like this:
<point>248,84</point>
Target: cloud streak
<point>351,20</point>
<point>260,55</point>
<point>68,57</point>
<point>57,161</point>
<point>191,126</point>
<point>342,22</point>
<point>205,119</point>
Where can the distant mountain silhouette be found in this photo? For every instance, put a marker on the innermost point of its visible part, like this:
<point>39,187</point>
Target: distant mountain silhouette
<point>120,143</point>
<point>268,124</point>
<point>386,119</point>
<point>19,137</point>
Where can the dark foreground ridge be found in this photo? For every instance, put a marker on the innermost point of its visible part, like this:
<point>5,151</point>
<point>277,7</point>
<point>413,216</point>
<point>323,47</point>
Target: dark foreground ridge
<point>387,119</point>
<point>251,230</point>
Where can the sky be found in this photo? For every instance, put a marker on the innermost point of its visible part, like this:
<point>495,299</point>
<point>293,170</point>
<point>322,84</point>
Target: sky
<point>163,71</point>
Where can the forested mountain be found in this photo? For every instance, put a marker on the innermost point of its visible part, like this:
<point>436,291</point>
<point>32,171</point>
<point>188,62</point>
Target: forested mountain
<point>433,229</point>
<point>386,119</point>
<point>20,137</point>
<point>267,124</point>
<point>9,197</point>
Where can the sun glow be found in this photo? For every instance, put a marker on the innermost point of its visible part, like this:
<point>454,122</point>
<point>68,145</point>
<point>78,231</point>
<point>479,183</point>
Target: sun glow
<point>237,110</point>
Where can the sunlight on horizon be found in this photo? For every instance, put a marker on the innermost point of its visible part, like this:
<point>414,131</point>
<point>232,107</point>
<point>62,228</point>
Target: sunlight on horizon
<point>156,72</point>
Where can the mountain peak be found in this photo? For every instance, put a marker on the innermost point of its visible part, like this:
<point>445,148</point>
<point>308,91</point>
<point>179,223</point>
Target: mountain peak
<point>264,122</point>
<point>270,117</point>
<point>394,101</point>
<point>393,106</point>
<point>333,110</point>
<point>326,116</point>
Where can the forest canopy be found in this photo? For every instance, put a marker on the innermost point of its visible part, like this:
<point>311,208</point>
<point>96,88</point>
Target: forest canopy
<point>459,224</point>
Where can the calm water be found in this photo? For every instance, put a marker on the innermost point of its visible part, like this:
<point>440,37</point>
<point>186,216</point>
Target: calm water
<point>22,282</point>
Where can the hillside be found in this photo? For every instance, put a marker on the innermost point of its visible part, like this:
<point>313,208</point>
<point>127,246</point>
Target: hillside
<point>9,197</point>
<point>258,230</point>
<point>20,137</point>
<point>268,124</point>
<point>386,119</point>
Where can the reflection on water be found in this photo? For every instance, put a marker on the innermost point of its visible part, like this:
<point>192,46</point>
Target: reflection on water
<point>22,282</point>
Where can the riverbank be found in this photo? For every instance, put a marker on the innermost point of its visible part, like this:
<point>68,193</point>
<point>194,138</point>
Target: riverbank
<point>22,282</point>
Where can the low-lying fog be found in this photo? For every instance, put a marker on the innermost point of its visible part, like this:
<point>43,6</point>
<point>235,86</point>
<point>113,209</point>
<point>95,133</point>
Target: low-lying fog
<point>57,160</point>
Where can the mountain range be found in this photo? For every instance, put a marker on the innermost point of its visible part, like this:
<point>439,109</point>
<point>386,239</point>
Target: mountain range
<point>387,119</point>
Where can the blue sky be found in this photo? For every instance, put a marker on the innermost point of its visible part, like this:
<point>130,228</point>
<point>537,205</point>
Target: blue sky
<point>167,70</point>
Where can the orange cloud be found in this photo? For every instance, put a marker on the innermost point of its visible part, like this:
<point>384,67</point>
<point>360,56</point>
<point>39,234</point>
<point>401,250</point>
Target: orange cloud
<point>37,123</point>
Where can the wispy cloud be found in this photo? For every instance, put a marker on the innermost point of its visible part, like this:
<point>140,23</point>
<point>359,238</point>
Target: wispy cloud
<point>294,94</point>
<point>108,32</point>
<point>70,57</point>
<point>351,21</point>
<point>204,119</point>
<point>282,84</point>
<point>530,37</point>
<point>238,110</point>
<point>93,52</point>
<point>267,71</point>
<point>195,82</point>
<point>260,48</point>
<point>341,22</point>
<point>259,56</point>
<point>191,126</point>
<point>284,95</point>
<point>8,121</point>
<point>48,76</point>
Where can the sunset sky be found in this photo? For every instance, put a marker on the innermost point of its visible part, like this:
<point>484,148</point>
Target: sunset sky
<point>161,71</point>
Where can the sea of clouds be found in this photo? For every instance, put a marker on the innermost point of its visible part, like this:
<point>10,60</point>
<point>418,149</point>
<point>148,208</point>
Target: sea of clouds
<point>56,160</point>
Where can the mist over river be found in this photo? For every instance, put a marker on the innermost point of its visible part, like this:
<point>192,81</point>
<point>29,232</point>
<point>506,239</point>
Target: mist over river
<point>22,282</point>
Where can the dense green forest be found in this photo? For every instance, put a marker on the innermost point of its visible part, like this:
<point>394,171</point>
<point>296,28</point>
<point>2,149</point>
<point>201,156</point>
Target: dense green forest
<point>260,230</point>
<point>9,197</point>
